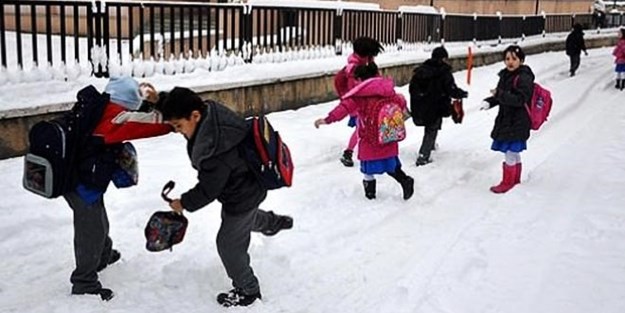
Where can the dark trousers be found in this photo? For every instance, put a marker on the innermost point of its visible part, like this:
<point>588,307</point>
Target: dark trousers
<point>91,242</point>
<point>575,60</point>
<point>429,137</point>
<point>233,240</point>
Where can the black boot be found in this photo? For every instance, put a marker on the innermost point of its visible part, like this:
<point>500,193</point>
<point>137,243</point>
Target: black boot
<point>618,84</point>
<point>406,182</point>
<point>112,258</point>
<point>369,188</point>
<point>346,159</point>
<point>622,84</point>
<point>104,293</point>
<point>280,222</point>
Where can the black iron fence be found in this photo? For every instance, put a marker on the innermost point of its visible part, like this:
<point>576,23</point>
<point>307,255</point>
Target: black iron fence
<point>35,31</point>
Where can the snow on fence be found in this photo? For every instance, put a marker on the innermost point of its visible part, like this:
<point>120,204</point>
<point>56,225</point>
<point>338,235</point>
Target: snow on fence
<point>66,39</point>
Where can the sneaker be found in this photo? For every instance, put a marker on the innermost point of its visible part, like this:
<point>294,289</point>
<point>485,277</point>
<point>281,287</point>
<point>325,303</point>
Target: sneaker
<point>114,257</point>
<point>236,297</point>
<point>104,293</point>
<point>422,160</point>
<point>282,222</point>
<point>346,159</point>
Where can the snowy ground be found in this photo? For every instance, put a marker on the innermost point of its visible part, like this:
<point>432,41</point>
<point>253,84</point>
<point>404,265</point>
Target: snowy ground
<point>555,243</point>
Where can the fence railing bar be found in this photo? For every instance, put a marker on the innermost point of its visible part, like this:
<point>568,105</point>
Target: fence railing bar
<point>63,34</point>
<point>33,32</point>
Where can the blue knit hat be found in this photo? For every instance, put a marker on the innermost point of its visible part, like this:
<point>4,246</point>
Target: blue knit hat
<point>124,90</point>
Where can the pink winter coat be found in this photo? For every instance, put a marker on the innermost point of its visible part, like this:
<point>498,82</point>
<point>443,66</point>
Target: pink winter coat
<point>357,101</point>
<point>619,52</point>
<point>344,80</point>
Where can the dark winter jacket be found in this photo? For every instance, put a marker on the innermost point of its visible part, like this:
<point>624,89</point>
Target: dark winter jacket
<point>575,42</point>
<point>514,91</point>
<point>222,173</point>
<point>431,88</point>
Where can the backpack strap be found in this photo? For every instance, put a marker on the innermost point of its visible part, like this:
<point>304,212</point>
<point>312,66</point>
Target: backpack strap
<point>515,82</point>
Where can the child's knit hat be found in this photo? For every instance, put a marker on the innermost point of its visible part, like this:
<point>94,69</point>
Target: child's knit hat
<point>124,90</point>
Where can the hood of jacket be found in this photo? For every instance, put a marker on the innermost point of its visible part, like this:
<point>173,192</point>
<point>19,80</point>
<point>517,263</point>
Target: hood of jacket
<point>354,60</point>
<point>431,69</point>
<point>219,130</point>
<point>375,86</point>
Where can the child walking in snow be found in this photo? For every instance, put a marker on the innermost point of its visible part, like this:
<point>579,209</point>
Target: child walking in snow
<point>93,248</point>
<point>375,158</point>
<point>213,134</point>
<point>619,54</point>
<point>365,49</point>
<point>512,124</point>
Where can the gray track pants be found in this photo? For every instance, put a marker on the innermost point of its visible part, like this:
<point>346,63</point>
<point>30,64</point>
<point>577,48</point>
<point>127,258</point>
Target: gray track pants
<point>91,242</point>
<point>233,240</point>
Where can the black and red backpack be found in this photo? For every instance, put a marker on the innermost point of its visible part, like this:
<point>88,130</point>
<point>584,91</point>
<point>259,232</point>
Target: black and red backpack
<point>268,157</point>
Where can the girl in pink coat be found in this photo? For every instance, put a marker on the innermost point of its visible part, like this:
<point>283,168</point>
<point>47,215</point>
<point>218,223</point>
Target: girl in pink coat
<point>619,54</point>
<point>365,49</point>
<point>375,158</point>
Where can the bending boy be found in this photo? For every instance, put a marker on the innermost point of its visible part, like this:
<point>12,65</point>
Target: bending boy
<point>213,133</point>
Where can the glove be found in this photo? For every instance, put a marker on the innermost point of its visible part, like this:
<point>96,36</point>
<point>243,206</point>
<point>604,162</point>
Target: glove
<point>488,103</point>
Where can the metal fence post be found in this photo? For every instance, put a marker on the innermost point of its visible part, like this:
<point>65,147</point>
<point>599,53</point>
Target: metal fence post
<point>474,27</point>
<point>338,31</point>
<point>97,17</point>
<point>248,36</point>
<point>399,30</point>
<point>499,24</point>
<point>442,29</point>
<point>544,23</point>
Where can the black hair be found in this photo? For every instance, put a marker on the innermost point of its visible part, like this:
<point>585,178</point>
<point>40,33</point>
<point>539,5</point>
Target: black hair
<point>515,50</point>
<point>179,103</point>
<point>439,53</point>
<point>578,27</point>
<point>622,32</point>
<point>364,72</point>
<point>367,47</point>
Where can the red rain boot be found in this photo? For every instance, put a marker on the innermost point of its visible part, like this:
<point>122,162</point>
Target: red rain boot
<point>508,181</point>
<point>517,177</point>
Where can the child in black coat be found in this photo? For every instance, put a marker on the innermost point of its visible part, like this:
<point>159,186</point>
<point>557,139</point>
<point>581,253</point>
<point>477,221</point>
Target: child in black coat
<point>213,133</point>
<point>512,124</point>
<point>574,46</point>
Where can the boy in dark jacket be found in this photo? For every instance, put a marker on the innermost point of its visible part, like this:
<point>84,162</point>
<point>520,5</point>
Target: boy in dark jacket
<point>213,133</point>
<point>574,47</point>
<point>431,88</point>
<point>93,248</point>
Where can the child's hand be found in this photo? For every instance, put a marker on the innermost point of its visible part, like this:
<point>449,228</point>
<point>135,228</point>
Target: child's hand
<point>176,206</point>
<point>319,122</point>
<point>148,92</point>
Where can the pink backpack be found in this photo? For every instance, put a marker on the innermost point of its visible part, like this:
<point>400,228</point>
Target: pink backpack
<point>385,121</point>
<point>539,106</point>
